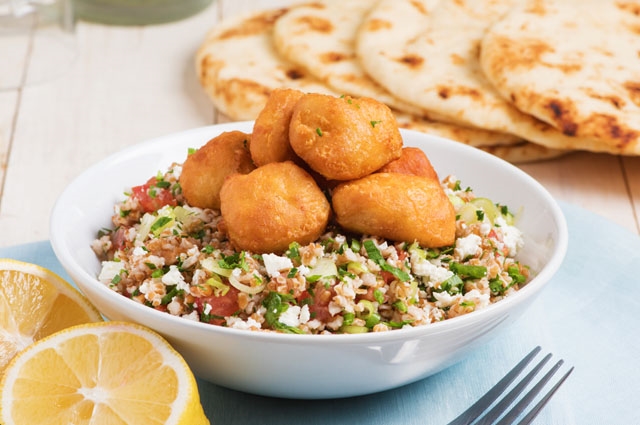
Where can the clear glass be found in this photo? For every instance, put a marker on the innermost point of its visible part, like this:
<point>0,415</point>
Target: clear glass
<point>137,12</point>
<point>37,41</point>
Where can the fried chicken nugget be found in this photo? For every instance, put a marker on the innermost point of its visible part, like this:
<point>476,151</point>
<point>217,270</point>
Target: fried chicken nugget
<point>400,207</point>
<point>271,207</point>
<point>270,139</point>
<point>412,161</point>
<point>344,138</point>
<point>204,171</point>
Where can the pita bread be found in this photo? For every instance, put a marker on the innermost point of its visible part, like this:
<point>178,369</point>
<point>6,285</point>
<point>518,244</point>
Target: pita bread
<point>238,66</point>
<point>239,84</point>
<point>320,37</point>
<point>469,136</point>
<point>427,52</point>
<point>573,64</point>
<point>514,150</point>
<point>524,152</point>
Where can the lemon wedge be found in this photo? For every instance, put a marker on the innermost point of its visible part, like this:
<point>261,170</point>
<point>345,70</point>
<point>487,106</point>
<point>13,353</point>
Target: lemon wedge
<point>34,303</point>
<point>100,373</point>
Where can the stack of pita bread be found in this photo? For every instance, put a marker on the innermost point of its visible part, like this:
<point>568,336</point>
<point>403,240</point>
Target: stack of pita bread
<point>523,79</point>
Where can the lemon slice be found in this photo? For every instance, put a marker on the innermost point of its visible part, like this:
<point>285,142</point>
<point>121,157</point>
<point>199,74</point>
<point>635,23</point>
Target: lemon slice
<point>100,373</point>
<point>34,303</point>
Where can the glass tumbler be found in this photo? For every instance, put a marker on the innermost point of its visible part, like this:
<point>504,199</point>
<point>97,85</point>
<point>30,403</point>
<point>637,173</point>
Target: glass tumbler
<point>37,41</point>
<point>137,12</point>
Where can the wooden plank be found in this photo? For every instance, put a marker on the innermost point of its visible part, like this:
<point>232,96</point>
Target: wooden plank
<point>128,84</point>
<point>8,110</point>
<point>593,181</point>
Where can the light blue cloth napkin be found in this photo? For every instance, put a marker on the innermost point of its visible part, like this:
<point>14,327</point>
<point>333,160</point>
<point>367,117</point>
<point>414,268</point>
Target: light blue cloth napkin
<point>588,315</point>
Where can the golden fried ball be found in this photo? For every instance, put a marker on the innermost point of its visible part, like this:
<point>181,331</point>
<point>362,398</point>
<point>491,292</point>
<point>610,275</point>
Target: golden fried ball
<point>271,207</point>
<point>344,138</point>
<point>204,171</point>
<point>399,207</point>
<point>412,161</point>
<point>270,139</point>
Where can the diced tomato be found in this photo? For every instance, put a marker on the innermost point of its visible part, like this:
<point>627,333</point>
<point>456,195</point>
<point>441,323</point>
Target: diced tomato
<point>370,295</point>
<point>402,254</point>
<point>224,305</point>
<point>388,277</point>
<point>319,306</point>
<point>151,197</point>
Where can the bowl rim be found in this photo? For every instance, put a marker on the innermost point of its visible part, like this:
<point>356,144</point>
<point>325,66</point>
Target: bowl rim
<point>63,252</point>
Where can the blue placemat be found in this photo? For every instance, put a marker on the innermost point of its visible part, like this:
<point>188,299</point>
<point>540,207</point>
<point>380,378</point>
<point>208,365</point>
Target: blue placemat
<point>589,315</point>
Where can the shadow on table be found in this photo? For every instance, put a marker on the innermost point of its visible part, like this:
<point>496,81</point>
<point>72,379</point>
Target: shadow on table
<point>413,403</point>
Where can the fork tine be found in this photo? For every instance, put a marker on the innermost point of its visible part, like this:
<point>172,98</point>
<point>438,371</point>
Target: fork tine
<point>517,410</point>
<point>473,412</point>
<point>538,407</point>
<point>506,401</point>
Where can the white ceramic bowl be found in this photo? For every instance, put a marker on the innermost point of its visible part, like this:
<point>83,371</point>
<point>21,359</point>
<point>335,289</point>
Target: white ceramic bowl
<point>309,366</point>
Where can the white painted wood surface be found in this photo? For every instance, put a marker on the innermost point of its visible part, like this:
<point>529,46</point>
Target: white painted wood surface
<point>129,84</point>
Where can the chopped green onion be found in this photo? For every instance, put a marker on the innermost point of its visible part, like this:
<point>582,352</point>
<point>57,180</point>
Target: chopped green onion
<point>234,261</point>
<point>169,295</point>
<point>158,273</point>
<point>219,288</point>
<point>468,271</point>
<point>293,252</point>
<point>452,285</point>
<point>276,304</point>
<point>400,306</point>
<point>347,318</point>
<point>399,273</point>
<point>160,224</point>
<point>514,271</point>
<point>374,254</point>
<point>378,296</point>
<point>372,251</point>
<point>496,286</point>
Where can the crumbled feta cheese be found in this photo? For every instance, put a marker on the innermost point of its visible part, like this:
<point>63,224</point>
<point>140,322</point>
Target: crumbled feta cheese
<point>238,323</point>
<point>303,270</point>
<point>274,263</point>
<point>478,298</point>
<point>139,251</point>
<point>192,316</point>
<point>468,246</point>
<point>295,316</point>
<point>305,314</point>
<point>174,277</point>
<point>423,267</point>
<point>444,299</point>
<point>207,308</point>
<point>109,270</point>
<point>174,307</point>
<point>512,238</point>
<point>145,287</point>
<point>485,227</point>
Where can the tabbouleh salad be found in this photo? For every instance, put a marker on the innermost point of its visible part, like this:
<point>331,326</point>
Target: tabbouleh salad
<point>175,258</point>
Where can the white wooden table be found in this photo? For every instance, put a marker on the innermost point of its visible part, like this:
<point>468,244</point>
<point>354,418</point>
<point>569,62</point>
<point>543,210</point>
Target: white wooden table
<point>129,84</point>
